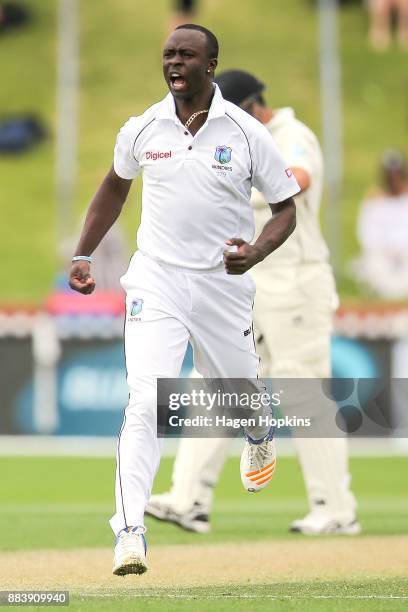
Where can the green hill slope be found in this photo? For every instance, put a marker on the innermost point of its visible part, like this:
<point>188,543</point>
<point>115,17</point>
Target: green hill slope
<point>121,75</point>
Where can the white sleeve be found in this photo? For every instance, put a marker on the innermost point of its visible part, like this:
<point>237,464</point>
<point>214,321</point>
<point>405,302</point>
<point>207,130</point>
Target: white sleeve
<point>124,162</point>
<point>299,151</point>
<point>270,174</point>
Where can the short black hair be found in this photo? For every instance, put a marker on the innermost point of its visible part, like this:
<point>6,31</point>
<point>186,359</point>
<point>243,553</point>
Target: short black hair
<point>212,42</point>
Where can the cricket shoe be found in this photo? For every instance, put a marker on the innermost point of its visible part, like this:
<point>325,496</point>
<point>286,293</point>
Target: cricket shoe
<point>130,552</point>
<point>196,519</point>
<point>258,462</point>
<point>321,523</point>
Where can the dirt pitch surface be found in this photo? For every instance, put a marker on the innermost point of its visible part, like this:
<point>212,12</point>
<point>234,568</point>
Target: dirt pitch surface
<point>88,570</point>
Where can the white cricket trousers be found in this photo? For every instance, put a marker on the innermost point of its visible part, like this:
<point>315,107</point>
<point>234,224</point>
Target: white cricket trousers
<point>166,307</point>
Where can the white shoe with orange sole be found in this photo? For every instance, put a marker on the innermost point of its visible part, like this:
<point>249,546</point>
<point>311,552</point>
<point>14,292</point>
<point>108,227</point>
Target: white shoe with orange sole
<point>258,463</point>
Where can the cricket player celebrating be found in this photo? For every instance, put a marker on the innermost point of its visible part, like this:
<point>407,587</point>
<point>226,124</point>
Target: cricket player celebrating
<point>293,312</point>
<point>200,156</point>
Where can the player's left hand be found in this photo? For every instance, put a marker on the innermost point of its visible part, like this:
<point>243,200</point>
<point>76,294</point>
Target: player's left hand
<point>243,259</point>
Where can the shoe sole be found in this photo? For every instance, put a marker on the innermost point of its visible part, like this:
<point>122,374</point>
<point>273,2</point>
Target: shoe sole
<point>136,566</point>
<point>195,526</point>
<point>255,481</point>
<point>351,530</point>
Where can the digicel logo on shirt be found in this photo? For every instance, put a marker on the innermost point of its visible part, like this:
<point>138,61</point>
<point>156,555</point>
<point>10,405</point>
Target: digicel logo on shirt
<point>154,155</point>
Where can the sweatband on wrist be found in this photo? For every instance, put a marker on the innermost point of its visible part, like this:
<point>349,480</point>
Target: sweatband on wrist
<point>82,258</point>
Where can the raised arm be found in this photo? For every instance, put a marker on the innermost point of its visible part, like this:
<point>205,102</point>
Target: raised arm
<point>103,211</point>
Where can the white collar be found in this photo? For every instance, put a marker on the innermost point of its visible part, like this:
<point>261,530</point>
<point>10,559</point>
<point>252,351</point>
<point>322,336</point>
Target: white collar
<point>167,109</point>
<point>280,117</point>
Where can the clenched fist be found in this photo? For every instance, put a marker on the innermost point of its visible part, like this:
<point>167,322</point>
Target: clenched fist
<point>243,259</point>
<point>80,278</point>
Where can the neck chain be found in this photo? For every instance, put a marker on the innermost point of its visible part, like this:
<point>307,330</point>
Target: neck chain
<point>193,116</point>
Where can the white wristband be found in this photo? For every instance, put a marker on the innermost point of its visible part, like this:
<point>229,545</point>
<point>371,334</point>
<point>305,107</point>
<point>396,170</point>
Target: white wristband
<point>82,258</point>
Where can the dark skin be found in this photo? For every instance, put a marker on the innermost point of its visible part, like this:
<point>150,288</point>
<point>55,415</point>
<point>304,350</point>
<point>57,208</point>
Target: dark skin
<point>274,233</point>
<point>103,211</point>
<point>186,55</point>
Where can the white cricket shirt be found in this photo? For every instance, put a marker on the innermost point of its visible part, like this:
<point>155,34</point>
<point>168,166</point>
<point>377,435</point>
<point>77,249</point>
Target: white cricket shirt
<point>197,189</point>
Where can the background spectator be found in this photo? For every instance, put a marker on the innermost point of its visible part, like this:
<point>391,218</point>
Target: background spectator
<point>384,14</point>
<point>12,15</point>
<point>184,12</point>
<point>382,230</point>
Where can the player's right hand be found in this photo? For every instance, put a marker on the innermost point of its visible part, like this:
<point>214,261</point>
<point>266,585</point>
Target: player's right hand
<point>80,278</point>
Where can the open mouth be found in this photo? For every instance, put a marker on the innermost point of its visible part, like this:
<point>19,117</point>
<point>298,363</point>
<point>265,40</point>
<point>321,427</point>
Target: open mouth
<point>177,81</point>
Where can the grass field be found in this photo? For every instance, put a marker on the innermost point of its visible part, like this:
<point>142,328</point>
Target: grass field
<point>121,76</point>
<point>54,534</point>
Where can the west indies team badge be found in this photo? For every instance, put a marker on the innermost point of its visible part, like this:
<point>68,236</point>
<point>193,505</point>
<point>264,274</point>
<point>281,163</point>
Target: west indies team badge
<point>136,307</point>
<point>223,154</point>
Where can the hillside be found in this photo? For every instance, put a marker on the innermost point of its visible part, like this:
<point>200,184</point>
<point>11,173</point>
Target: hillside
<point>121,75</point>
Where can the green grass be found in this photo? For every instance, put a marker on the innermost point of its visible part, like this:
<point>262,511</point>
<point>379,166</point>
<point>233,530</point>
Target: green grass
<point>351,596</point>
<point>121,75</point>
<point>299,596</point>
<point>66,503</point>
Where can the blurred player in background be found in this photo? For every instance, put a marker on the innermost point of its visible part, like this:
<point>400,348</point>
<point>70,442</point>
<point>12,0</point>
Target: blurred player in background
<point>200,156</point>
<point>293,310</point>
